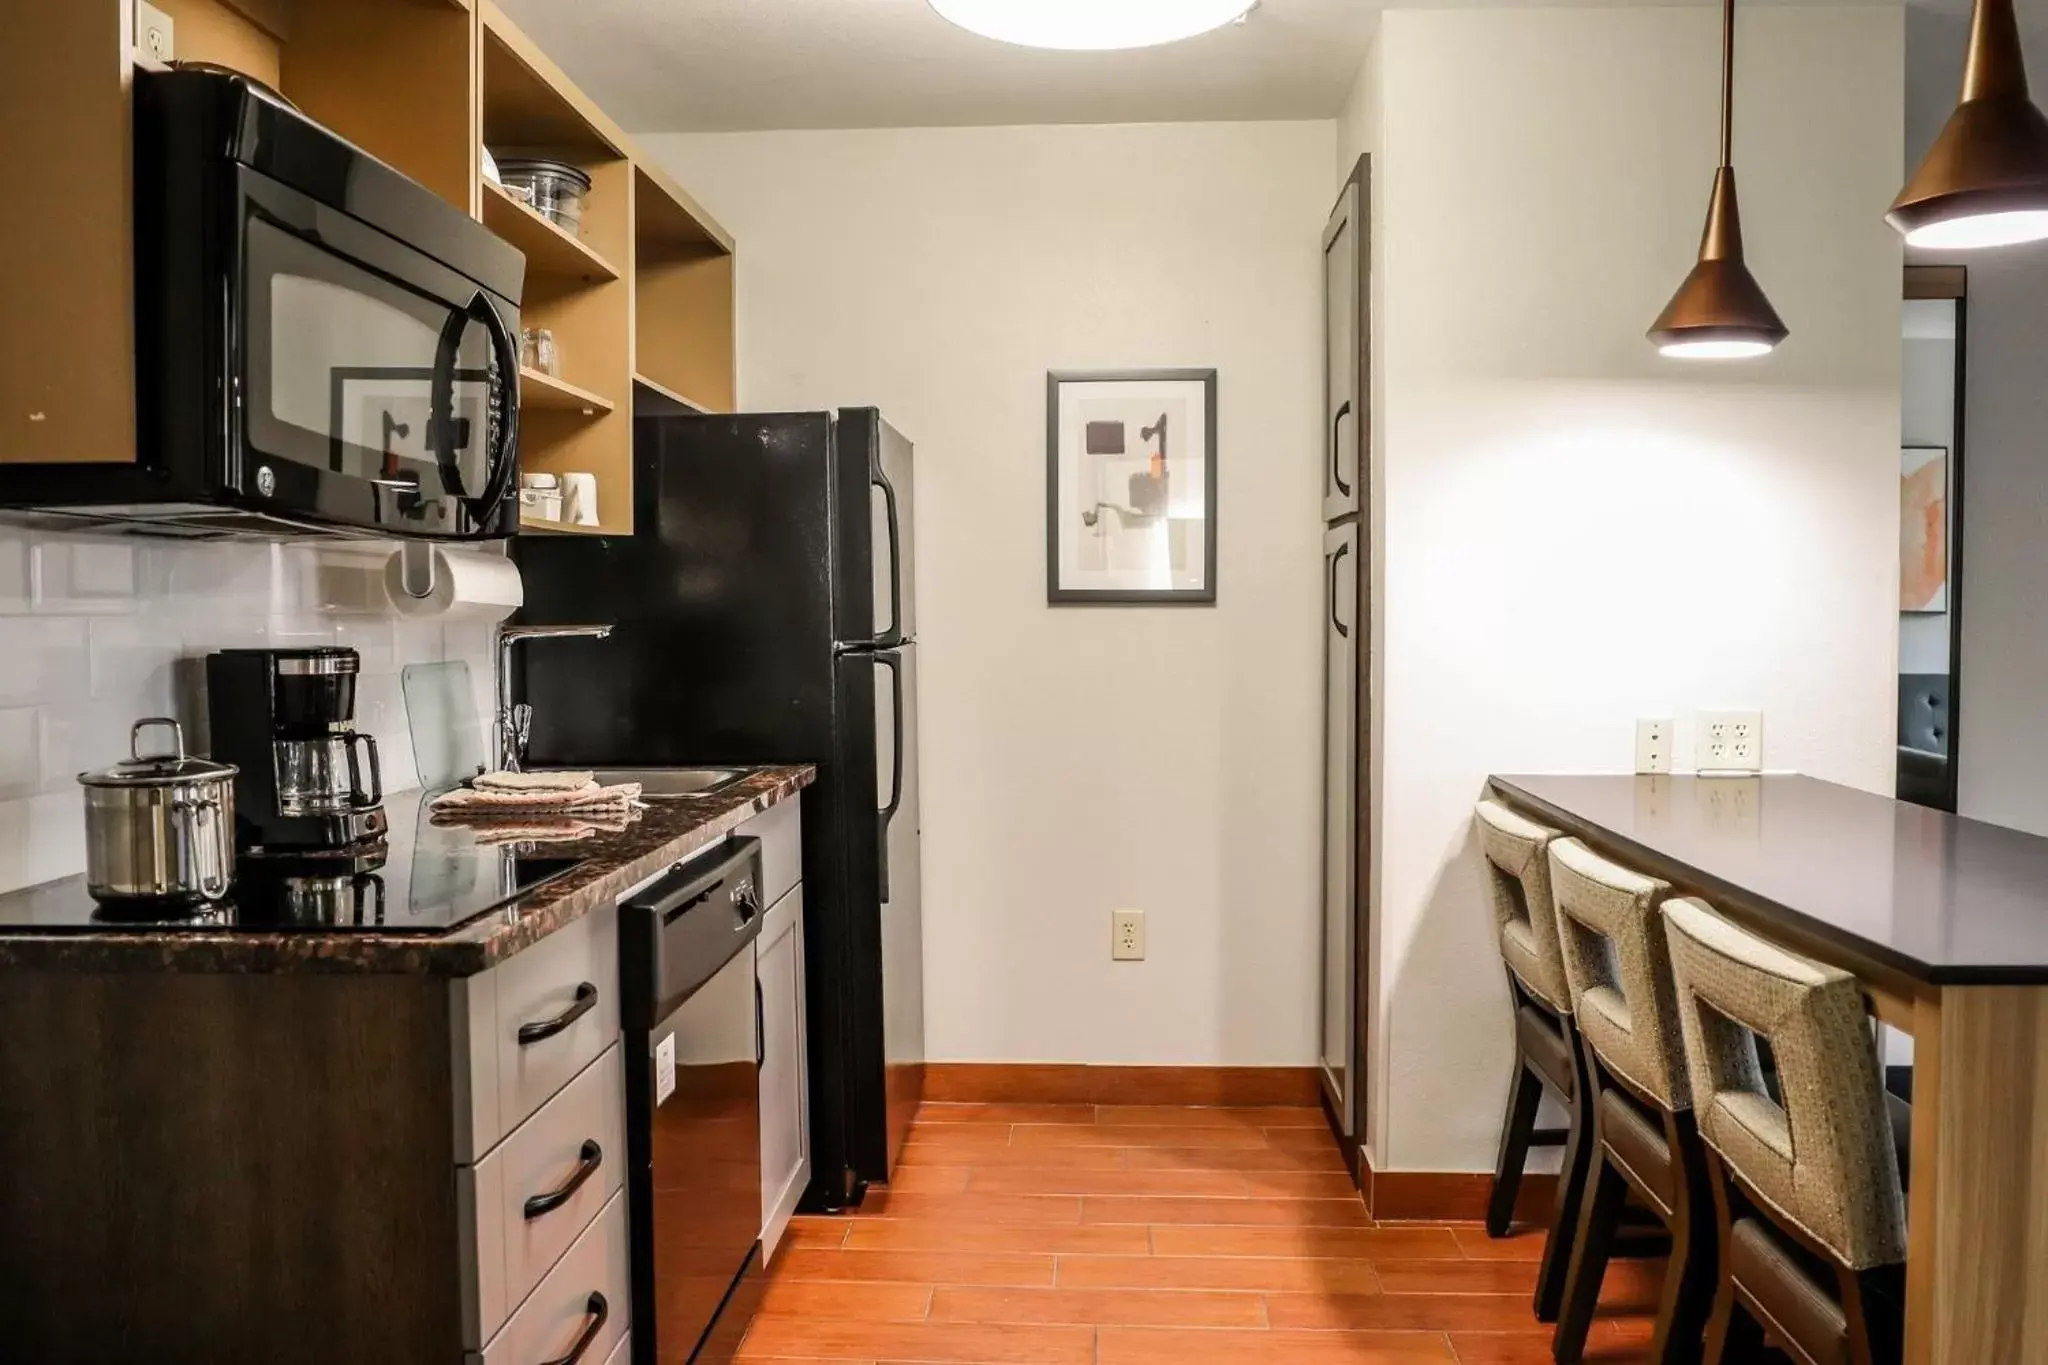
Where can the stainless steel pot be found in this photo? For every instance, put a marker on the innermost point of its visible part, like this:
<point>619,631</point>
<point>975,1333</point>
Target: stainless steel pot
<point>161,827</point>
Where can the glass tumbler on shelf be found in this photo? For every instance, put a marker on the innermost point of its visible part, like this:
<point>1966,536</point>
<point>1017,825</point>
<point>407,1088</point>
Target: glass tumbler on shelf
<point>538,351</point>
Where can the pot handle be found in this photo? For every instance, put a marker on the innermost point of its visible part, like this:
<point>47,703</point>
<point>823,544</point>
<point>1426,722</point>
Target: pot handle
<point>213,878</point>
<point>135,738</point>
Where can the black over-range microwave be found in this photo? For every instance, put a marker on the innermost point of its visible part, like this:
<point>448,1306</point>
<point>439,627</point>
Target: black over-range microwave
<point>322,345</point>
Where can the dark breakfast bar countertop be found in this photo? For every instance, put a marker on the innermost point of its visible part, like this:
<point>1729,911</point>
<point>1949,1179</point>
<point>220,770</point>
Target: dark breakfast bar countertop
<point>1887,888</point>
<point>670,829</point>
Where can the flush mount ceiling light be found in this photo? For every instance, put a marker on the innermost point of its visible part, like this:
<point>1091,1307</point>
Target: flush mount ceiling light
<point>1091,25</point>
<point>1720,312</point>
<point>1984,182</point>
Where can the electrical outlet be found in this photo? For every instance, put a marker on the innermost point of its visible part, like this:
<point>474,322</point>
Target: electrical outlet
<point>1653,745</point>
<point>1127,935</point>
<point>1729,742</point>
<point>155,33</point>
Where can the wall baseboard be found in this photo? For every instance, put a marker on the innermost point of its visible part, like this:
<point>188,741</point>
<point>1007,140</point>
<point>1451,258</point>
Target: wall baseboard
<point>1451,1196</point>
<point>1064,1083</point>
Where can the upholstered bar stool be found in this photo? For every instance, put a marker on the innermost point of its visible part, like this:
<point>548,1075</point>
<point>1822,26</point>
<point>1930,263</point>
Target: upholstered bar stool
<point>1610,926</point>
<point>1807,1190</point>
<point>1517,867</point>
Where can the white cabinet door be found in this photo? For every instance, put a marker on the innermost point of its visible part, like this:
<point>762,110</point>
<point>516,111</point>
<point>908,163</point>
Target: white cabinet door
<point>785,1082</point>
<point>1340,794</point>
<point>1343,404</point>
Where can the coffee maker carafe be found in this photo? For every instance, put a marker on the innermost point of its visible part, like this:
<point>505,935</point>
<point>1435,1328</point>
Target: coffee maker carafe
<point>308,780</point>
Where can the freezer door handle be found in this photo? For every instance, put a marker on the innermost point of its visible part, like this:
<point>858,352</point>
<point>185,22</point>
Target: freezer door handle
<point>1336,619</point>
<point>888,812</point>
<point>894,635</point>
<point>1337,449</point>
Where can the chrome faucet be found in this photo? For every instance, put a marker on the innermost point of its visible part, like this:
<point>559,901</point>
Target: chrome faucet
<point>513,725</point>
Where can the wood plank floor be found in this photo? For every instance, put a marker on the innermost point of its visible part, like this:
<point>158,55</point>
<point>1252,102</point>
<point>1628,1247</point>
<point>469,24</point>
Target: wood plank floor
<point>1081,1235</point>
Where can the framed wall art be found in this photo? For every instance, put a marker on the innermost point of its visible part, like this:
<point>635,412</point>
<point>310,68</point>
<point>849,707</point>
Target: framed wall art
<point>1130,495</point>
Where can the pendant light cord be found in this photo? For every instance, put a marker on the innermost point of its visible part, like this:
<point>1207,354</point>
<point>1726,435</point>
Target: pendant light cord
<point>1727,83</point>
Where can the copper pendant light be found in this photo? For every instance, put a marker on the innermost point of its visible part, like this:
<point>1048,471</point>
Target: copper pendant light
<point>1984,182</point>
<point>1720,312</point>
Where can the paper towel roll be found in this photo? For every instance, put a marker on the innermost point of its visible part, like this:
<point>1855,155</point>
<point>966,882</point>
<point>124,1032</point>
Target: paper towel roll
<point>469,585</point>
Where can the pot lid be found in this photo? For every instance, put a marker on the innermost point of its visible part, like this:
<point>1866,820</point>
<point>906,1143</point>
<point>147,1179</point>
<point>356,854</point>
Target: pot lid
<point>157,770</point>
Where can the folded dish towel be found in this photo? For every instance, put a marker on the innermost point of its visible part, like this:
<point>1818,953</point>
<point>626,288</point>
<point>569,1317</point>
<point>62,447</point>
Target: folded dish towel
<point>534,782</point>
<point>583,798</point>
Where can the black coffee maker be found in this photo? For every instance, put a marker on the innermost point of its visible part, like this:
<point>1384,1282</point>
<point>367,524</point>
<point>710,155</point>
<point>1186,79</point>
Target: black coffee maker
<point>308,782</point>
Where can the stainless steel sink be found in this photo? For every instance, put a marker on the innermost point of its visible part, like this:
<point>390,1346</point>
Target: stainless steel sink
<point>656,783</point>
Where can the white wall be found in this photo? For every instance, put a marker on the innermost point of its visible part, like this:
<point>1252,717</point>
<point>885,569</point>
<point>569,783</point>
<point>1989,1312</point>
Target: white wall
<point>2003,758</point>
<point>97,633</point>
<point>1579,532</point>
<point>1075,759</point>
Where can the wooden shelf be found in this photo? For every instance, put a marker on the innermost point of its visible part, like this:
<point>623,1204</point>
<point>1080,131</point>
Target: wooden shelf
<point>670,222</point>
<point>549,249</point>
<point>652,396</point>
<point>549,394</point>
<point>532,525</point>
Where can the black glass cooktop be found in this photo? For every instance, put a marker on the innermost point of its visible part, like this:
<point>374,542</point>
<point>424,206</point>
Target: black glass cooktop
<point>425,879</point>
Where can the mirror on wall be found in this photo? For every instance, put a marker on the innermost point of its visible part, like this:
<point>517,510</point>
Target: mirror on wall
<point>1930,526</point>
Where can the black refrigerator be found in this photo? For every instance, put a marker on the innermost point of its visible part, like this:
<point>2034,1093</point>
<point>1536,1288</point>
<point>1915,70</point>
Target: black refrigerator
<point>764,613</point>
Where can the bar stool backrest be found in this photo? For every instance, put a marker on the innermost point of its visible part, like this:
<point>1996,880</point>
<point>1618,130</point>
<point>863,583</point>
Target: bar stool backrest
<point>1611,927</point>
<point>1824,1162</point>
<point>1518,873</point>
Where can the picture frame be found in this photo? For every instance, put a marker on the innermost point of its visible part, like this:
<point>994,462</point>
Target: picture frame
<point>1130,487</point>
<point>1926,527</point>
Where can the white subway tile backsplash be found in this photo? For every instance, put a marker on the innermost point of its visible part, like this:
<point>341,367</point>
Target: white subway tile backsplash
<point>97,633</point>
<point>14,573</point>
<point>44,660</point>
<point>20,772</point>
<point>86,577</point>
<point>42,838</point>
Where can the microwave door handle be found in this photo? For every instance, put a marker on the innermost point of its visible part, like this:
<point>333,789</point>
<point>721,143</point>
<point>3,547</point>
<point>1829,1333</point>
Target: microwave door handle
<point>441,421</point>
<point>505,347</point>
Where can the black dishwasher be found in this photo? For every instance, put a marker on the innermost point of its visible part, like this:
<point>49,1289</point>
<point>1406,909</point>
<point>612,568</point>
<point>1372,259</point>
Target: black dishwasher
<point>691,1016</point>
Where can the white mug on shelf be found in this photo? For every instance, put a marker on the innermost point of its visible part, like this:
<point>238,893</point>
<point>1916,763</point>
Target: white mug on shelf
<point>579,498</point>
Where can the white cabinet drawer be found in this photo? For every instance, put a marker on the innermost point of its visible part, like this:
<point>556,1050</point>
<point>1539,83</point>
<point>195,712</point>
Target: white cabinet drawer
<point>572,976</point>
<point>578,1138</point>
<point>588,1282</point>
<point>785,1126</point>
<point>623,1352</point>
<point>780,830</point>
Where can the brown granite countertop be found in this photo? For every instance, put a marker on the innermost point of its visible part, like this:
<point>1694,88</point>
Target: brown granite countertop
<point>671,828</point>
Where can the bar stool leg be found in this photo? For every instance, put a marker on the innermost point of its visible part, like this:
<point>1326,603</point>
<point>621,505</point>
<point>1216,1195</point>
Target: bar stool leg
<point>1524,1095</point>
<point>1592,1247</point>
<point>1579,1147</point>
<point>1688,1300</point>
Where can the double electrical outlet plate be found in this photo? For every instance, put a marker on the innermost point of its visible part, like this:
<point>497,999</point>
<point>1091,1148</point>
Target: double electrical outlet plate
<point>1723,742</point>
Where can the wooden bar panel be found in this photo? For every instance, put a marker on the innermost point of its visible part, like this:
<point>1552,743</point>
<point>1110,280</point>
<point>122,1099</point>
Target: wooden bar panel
<point>1990,1242</point>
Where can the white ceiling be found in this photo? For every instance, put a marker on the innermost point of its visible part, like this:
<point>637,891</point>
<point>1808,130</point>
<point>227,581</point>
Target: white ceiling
<point>730,65</point>
<point>702,65</point>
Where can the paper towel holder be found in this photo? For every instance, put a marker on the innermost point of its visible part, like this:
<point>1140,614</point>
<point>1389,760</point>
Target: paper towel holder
<point>416,568</point>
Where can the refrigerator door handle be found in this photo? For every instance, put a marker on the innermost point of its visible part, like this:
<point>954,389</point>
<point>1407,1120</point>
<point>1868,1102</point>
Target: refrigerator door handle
<point>894,635</point>
<point>1336,619</point>
<point>888,812</point>
<point>1337,450</point>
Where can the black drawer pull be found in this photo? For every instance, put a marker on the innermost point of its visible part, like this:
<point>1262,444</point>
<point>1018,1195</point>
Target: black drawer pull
<point>587,1162</point>
<point>598,1310</point>
<point>543,1029</point>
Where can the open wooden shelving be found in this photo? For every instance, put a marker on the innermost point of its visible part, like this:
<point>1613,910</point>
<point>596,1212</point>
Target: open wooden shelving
<point>543,392</point>
<point>654,399</point>
<point>658,321</point>
<point>548,249</point>
<point>640,302</point>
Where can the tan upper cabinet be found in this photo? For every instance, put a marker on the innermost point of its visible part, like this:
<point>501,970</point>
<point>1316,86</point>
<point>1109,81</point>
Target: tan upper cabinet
<point>640,301</point>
